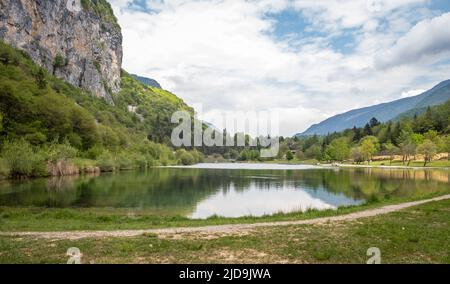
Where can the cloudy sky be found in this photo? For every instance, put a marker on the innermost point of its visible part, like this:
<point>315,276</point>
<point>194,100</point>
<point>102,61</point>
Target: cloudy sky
<point>307,59</point>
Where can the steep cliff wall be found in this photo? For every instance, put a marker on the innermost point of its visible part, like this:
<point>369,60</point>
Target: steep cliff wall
<point>78,41</point>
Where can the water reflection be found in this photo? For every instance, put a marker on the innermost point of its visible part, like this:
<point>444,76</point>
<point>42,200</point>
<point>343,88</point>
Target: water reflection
<point>200,193</point>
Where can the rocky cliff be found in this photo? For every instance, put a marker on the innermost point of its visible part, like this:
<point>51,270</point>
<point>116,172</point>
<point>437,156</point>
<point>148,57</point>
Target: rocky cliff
<point>77,41</point>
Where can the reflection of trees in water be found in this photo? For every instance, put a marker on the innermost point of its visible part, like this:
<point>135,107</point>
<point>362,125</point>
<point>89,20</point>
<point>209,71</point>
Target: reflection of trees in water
<point>180,190</point>
<point>367,182</point>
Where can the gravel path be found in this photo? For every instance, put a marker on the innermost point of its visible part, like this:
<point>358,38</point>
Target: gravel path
<point>218,229</point>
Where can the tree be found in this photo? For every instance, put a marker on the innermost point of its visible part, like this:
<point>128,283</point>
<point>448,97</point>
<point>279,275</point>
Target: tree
<point>428,149</point>
<point>41,81</point>
<point>59,61</point>
<point>367,130</point>
<point>289,155</point>
<point>446,146</point>
<point>356,134</point>
<point>374,122</point>
<point>314,152</point>
<point>282,151</point>
<point>338,150</point>
<point>390,150</point>
<point>408,142</point>
<point>407,150</point>
<point>356,155</point>
<point>300,155</point>
<point>369,146</point>
<point>187,159</point>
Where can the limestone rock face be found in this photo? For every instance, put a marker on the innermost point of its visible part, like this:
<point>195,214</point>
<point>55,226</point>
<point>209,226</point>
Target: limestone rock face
<point>71,41</point>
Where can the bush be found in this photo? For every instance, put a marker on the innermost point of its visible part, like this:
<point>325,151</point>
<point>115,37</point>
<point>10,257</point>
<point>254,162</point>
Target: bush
<point>39,163</point>
<point>187,159</point>
<point>124,162</point>
<point>59,61</point>
<point>106,162</point>
<point>198,157</point>
<point>59,152</point>
<point>18,156</point>
<point>22,160</point>
<point>4,169</point>
<point>289,155</point>
<point>95,152</point>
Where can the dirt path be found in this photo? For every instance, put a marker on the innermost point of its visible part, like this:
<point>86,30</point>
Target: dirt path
<point>221,229</point>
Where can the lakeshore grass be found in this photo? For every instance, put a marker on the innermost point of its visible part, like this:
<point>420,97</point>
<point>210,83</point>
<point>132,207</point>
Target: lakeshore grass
<point>420,234</point>
<point>69,219</point>
<point>385,163</point>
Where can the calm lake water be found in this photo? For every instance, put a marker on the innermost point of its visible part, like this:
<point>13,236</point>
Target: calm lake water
<point>230,190</point>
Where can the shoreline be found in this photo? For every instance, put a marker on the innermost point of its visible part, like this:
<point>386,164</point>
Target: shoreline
<point>282,166</point>
<point>339,165</point>
<point>91,220</point>
<point>227,228</point>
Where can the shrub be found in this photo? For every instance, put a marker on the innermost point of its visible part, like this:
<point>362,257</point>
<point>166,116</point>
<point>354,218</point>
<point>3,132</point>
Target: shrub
<point>106,162</point>
<point>4,169</point>
<point>289,155</point>
<point>124,162</point>
<point>198,157</point>
<point>300,155</point>
<point>164,160</point>
<point>187,159</point>
<point>58,152</point>
<point>59,61</point>
<point>41,81</point>
<point>95,152</point>
<point>39,163</point>
<point>18,156</point>
<point>22,160</point>
<point>36,138</point>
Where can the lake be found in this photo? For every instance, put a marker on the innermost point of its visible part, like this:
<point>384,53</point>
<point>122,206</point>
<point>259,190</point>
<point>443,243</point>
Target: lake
<point>229,190</point>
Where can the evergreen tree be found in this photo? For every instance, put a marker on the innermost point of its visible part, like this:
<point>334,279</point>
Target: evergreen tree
<point>367,130</point>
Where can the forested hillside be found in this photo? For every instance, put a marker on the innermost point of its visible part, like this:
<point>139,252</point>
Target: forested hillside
<point>426,134</point>
<point>45,119</point>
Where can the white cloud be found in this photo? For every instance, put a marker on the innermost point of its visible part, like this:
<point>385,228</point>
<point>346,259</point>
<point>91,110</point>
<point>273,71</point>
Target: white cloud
<point>411,93</point>
<point>223,55</point>
<point>427,40</point>
<point>335,15</point>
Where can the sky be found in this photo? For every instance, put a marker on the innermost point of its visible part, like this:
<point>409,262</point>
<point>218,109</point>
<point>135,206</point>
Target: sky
<point>305,59</point>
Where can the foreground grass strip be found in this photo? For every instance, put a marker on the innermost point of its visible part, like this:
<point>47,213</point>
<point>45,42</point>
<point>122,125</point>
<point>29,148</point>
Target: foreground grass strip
<point>224,228</point>
<point>419,234</point>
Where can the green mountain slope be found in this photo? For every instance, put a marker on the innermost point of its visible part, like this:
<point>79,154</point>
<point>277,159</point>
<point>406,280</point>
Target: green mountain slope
<point>383,112</point>
<point>147,81</point>
<point>41,108</point>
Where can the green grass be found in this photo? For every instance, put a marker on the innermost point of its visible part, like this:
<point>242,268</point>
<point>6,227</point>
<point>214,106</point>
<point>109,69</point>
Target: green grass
<point>417,235</point>
<point>287,162</point>
<point>41,219</point>
<point>439,163</point>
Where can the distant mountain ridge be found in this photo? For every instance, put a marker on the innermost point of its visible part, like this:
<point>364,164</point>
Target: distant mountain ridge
<point>147,81</point>
<point>383,112</point>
